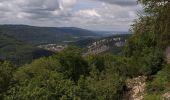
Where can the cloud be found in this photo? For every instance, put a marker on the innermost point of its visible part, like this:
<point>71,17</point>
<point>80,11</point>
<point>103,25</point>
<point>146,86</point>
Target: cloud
<point>120,2</point>
<point>66,4</point>
<point>33,8</point>
<point>90,14</point>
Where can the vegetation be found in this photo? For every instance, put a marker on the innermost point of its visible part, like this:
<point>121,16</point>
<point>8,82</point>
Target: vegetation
<point>147,46</point>
<point>41,35</point>
<point>66,75</point>
<point>70,75</point>
<point>6,74</point>
<point>18,52</point>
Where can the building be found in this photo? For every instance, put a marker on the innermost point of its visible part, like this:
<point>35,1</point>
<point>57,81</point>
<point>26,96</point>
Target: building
<point>168,54</point>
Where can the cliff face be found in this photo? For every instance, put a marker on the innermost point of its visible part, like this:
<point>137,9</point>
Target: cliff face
<point>168,54</point>
<point>106,44</point>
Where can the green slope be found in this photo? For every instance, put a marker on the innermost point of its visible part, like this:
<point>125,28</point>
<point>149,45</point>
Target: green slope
<point>17,51</point>
<point>39,35</point>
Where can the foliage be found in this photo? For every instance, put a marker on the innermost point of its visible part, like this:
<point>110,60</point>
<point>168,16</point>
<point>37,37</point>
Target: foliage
<point>18,52</point>
<point>74,76</point>
<point>151,37</point>
<point>161,83</point>
<point>41,81</point>
<point>152,97</point>
<point>73,64</point>
<point>66,75</point>
<point>147,45</point>
<point>6,73</point>
<point>106,85</point>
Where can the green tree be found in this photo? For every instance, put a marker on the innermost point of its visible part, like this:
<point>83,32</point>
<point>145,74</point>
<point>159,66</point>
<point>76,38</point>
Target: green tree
<point>73,64</point>
<point>105,85</point>
<point>6,74</point>
<point>40,80</point>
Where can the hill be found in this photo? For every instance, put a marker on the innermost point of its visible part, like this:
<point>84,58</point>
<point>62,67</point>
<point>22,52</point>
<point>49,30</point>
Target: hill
<point>18,52</point>
<point>38,35</point>
<point>113,44</point>
<point>111,33</point>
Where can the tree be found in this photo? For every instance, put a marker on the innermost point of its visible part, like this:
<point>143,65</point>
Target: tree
<point>40,80</point>
<point>159,12</point>
<point>73,64</point>
<point>105,85</point>
<point>6,74</point>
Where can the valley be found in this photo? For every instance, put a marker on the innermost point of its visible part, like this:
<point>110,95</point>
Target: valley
<point>84,49</point>
<point>21,44</point>
<point>113,44</point>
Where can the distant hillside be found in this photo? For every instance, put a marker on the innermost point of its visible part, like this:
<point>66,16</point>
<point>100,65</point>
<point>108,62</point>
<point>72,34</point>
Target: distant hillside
<point>18,52</point>
<point>83,43</point>
<point>112,43</point>
<point>38,35</point>
<point>111,33</point>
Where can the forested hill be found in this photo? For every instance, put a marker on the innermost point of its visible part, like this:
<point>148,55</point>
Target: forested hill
<point>38,35</point>
<point>18,52</point>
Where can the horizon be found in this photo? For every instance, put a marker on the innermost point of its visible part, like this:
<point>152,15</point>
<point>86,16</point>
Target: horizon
<point>100,15</point>
<point>61,27</point>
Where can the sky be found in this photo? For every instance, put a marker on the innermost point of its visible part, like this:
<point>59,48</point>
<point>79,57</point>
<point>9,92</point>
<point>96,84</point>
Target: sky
<point>110,15</point>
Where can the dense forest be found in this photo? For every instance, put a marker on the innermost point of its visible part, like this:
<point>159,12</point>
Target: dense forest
<point>19,52</point>
<point>70,75</point>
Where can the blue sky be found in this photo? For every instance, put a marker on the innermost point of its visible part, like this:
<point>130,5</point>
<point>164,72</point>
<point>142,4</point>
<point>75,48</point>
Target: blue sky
<point>115,15</point>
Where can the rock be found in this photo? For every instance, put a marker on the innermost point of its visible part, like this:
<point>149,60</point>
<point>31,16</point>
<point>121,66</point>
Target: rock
<point>136,88</point>
<point>168,54</point>
<point>166,96</point>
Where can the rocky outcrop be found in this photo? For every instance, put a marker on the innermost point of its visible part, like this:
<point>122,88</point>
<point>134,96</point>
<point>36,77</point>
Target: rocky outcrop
<point>168,54</point>
<point>98,49</point>
<point>135,88</point>
<point>106,44</point>
<point>166,96</point>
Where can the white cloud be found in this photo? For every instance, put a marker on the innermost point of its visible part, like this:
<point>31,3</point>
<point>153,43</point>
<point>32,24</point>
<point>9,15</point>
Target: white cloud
<point>23,15</point>
<point>104,14</point>
<point>66,4</point>
<point>88,13</point>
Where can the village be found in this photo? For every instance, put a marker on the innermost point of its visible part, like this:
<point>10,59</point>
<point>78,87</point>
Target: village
<point>54,47</point>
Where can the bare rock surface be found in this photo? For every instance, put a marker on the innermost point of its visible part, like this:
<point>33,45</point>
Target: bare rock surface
<point>135,88</point>
<point>168,54</point>
<point>166,96</point>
